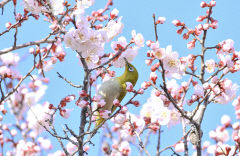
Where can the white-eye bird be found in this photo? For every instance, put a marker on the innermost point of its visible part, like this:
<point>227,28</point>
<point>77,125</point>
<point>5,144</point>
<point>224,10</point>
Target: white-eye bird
<point>115,88</point>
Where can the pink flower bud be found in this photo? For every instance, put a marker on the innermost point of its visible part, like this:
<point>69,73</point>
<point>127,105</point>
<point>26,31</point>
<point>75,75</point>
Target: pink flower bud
<point>177,23</point>
<point>225,120</point>
<point>82,103</point>
<point>203,4</point>
<point>140,91</point>
<point>114,13</point>
<point>161,20</point>
<point>200,18</point>
<point>83,93</point>
<point>31,50</point>
<point>200,27</point>
<point>148,62</point>
<point>124,110</point>
<point>129,87</point>
<point>105,114</point>
<point>212,134</point>
<point>212,3</point>
<point>23,126</point>
<point>157,93</point>
<point>155,67</point>
<point>185,36</point>
<point>54,60</point>
<point>153,77</point>
<point>96,98</point>
<point>136,103</point>
<point>236,138</point>
<point>148,43</point>
<point>8,25</point>
<point>65,113</point>
<point>5,127</point>
<point>101,103</point>
<point>179,31</point>
<point>106,147</point>
<point>214,25</point>
<point>191,44</point>
<point>206,144</point>
<point>144,85</point>
<point>236,125</point>
<point>18,17</point>
<point>179,147</point>
<point>13,132</point>
<point>205,26</point>
<point>189,102</point>
<point>116,103</point>
<point>86,148</point>
<point>33,134</point>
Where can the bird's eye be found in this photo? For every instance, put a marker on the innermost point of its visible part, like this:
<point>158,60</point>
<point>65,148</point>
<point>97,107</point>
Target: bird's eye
<point>131,69</point>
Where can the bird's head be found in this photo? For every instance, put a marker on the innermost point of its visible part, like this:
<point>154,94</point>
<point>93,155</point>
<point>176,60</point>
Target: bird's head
<point>130,74</point>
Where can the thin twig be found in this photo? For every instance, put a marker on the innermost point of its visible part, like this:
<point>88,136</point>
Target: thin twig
<point>45,40</point>
<point>111,59</point>
<point>159,141</point>
<point>15,37</point>
<point>4,2</point>
<point>69,82</point>
<point>18,85</point>
<point>139,139</point>
<point>155,27</point>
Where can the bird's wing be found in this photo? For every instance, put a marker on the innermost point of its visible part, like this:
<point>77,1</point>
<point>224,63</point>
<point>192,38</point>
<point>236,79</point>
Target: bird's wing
<point>109,90</point>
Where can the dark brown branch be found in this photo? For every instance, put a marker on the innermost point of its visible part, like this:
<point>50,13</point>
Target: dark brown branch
<point>84,110</point>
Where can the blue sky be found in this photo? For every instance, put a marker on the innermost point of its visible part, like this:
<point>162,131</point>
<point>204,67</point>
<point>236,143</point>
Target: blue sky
<point>137,14</point>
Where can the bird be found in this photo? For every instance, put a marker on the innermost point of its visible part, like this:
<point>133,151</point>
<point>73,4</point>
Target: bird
<point>115,88</point>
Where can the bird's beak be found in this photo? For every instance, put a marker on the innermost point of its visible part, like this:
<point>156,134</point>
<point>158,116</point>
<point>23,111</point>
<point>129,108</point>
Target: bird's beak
<point>126,61</point>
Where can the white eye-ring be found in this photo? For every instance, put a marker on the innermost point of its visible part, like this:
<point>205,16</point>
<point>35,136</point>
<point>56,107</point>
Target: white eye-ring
<point>131,69</point>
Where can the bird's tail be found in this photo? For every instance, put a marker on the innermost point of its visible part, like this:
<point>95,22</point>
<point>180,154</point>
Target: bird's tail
<point>99,120</point>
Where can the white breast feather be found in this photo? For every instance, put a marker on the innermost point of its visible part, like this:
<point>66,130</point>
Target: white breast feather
<point>109,91</point>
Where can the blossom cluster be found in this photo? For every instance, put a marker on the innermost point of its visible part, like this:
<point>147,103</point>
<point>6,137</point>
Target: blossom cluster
<point>157,111</point>
<point>221,135</point>
<point>173,66</point>
<point>8,62</point>
<point>54,6</point>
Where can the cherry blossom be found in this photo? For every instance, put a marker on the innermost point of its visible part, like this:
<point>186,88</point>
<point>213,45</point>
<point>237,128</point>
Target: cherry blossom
<point>161,20</point>
<point>210,65</point>
<point>138,38</point>
<point>10,59</point>
<point>113,28</point>
<point>38,113</point>
<point>36,7</point>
